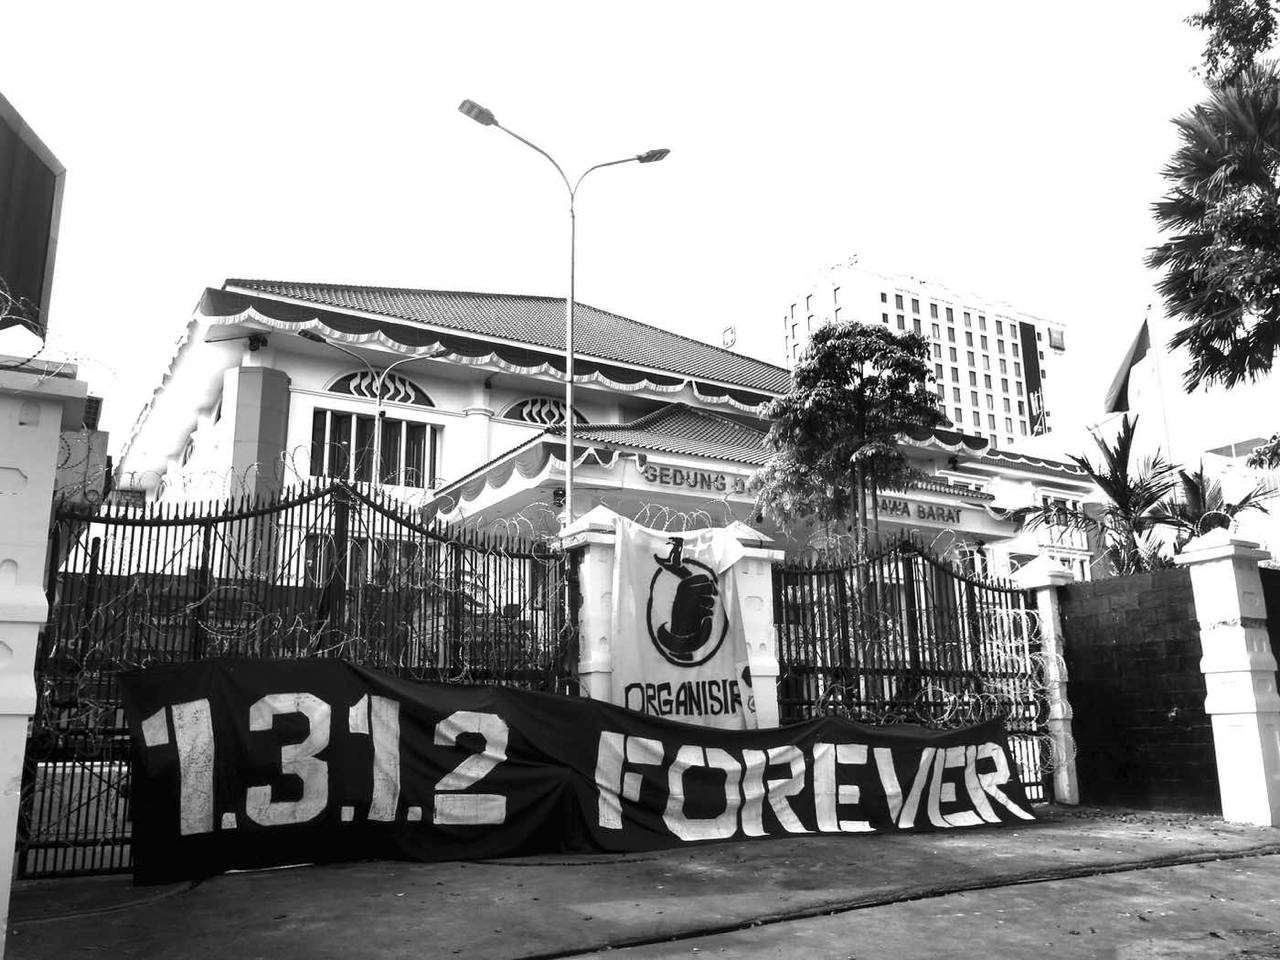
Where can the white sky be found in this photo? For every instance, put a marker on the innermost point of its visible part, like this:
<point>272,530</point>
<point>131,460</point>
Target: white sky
<point>1010,148</point>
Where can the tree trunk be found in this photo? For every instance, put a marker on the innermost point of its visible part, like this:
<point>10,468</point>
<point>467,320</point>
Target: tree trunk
<point>875,513</point>
<point>860,511</point>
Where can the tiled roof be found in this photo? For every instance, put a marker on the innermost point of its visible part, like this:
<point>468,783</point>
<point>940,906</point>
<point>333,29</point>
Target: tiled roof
<point>677,428</point>
<point>539,321</point>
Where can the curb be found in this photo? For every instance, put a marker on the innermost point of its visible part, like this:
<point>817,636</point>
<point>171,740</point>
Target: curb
<point>98,911</point>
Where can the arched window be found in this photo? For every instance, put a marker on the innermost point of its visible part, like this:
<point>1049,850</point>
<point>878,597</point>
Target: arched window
<point>542,411</point>
<point>395,388</point>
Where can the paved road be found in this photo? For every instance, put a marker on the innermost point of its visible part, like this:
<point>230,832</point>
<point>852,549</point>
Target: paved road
<point>1224,909</point>
<point>560,907</point>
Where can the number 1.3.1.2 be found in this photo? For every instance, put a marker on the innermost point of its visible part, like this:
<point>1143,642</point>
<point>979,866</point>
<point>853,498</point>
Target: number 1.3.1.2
<point>373,716</point>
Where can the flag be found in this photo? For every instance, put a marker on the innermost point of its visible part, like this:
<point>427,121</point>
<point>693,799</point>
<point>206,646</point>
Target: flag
<point>1118,396</point>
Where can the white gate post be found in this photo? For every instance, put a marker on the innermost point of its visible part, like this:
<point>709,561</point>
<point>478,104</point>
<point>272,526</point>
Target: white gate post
<point>592,534</point>
<point>755,586</point>
<point>1239,674</point>
<point>35,407</point>
<point>1044,576</point>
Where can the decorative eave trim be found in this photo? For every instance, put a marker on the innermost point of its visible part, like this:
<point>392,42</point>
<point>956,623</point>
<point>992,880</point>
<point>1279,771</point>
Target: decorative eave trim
<point>533,460</point>
<point>490,360</point>
<point>424,326</point>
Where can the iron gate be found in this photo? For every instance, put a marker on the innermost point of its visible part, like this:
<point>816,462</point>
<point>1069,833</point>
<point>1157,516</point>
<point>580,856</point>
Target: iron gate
<point>327,570</point>
<point>905,637</point>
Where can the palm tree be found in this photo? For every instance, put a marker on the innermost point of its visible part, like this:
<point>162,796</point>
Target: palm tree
<point>1134,494</point>
<point>1222,277</point>
<point>1198,506</point>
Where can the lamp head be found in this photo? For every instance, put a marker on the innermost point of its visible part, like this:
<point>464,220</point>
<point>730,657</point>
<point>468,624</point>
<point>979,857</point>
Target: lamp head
<point>477,113</point>
<point>312,336</point>
<point>653,156</point>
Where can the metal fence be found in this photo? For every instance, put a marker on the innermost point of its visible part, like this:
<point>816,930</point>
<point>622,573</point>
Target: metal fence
<point>327,570</point>
<point>905,637</point>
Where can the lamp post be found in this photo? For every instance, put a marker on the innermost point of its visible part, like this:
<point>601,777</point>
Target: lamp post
<point>486,118</point>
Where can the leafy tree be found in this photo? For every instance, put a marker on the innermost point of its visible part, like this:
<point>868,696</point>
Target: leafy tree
<point>855,390</point>
<point>1198,506</point>
<point>1134,491</point>
<point>1239,30</point>
<point>1222,263</point>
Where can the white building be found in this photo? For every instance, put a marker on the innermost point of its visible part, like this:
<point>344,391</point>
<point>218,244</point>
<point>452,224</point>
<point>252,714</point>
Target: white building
<point>993,364</point>
<point>669,429</point>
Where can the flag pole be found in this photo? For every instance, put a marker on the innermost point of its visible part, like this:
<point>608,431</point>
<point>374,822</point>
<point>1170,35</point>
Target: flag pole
<point>1157,349</point>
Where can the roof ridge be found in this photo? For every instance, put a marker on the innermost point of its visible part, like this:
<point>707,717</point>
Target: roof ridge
<point>512,296</point>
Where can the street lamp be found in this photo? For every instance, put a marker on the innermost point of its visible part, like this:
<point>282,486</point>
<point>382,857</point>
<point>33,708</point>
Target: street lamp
<point>486,118</point>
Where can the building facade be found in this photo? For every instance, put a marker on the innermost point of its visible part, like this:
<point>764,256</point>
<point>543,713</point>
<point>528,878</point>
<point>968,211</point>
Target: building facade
<point>453,403</point>
<point>992,364</point>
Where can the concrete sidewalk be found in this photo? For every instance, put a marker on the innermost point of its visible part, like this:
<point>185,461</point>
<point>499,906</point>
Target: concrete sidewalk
<point>554,907</point>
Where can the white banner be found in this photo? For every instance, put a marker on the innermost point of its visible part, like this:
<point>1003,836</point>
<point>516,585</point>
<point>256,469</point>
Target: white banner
<point>679,650</point>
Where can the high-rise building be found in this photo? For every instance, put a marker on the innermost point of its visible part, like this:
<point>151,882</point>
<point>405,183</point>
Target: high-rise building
<point>992,364</point>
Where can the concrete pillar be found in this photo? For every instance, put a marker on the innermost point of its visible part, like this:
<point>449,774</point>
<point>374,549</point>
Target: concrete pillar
<point>755,586</point>
<point>1239,674</point>
<point>479,435</point>
<point>593,535</point>
<point>259,429</point>
<point>34,410</point>
<point>1043,576</point>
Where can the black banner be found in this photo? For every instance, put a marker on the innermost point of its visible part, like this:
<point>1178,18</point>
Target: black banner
<point>255,763</point>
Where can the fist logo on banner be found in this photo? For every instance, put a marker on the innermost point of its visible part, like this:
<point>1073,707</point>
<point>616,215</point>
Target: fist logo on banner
<point>686,616</point>
<point>679,648</point>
